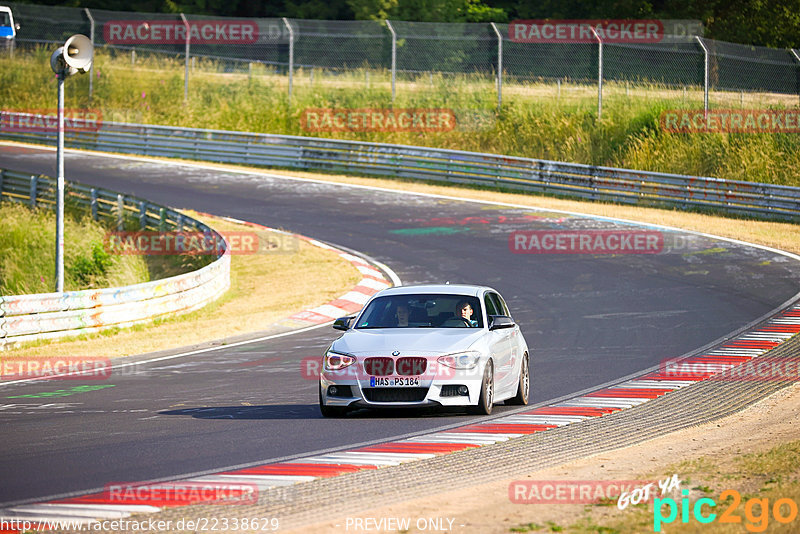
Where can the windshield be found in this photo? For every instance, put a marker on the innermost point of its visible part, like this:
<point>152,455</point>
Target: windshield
<point>422,311</point>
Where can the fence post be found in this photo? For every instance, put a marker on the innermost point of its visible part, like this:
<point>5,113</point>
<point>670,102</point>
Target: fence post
<point>2,173</point>
<point>499,66</point>
<point>120,212</point>
<point>91,38</point>
<point>797,57</point>
<point>186,68</point>
<point>705,72</point>
<point>94,204</point>
<point>291,56</point>
<point>394,57</point>
<point>142,214</point>
<point>599,73</point>
<point>34,191</point>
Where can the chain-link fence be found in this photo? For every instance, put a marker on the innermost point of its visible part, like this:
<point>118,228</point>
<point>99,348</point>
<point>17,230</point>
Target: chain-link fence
<point>406,53</point>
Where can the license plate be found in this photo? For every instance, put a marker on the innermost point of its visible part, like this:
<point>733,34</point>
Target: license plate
<point>393,381</point>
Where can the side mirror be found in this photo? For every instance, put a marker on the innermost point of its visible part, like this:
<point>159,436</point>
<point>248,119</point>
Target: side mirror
<point>343,323</point>
<point>496,322</point>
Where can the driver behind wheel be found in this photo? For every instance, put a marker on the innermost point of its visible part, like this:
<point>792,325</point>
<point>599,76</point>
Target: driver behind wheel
<point>464,310</point>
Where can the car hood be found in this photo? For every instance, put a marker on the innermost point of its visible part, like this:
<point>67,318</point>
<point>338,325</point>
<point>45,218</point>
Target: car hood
<point>384,341</point>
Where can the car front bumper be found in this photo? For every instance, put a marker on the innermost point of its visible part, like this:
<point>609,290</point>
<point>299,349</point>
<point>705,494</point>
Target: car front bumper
<point>430,392</point>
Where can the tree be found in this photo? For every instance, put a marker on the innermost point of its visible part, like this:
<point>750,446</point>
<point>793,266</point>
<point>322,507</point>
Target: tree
<point>427,10</point>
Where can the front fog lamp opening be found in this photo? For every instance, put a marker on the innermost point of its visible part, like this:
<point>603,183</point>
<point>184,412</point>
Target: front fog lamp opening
<point>462,390</point>
<point>336,362</point>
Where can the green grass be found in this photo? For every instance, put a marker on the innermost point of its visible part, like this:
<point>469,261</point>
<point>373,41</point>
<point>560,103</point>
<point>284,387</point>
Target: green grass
<point>27,254</point>
<point>537,119</point>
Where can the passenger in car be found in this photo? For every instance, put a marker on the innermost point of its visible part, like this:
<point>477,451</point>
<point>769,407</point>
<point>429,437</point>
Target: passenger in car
<point>402,315</point>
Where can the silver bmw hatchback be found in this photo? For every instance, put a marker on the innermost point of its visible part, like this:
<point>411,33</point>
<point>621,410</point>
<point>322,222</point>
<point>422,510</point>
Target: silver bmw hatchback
<point>426,345</point>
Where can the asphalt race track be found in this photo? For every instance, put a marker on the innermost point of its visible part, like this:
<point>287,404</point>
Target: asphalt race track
<point>588,318</point>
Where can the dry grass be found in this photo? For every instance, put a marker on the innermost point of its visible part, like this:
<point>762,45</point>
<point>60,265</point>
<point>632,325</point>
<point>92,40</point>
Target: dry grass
<point>264,289</point>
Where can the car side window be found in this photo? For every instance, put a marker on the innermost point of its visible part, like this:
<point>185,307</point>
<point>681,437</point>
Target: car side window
<point>491,306</point>
<point>501,305</point>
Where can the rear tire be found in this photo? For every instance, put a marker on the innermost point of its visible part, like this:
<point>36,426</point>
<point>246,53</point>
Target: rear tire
<point>330,411</point>
<point>486,399</point>
<point>524,386</point>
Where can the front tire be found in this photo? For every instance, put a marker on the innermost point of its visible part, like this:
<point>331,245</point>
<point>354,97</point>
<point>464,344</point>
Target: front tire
<point>524,386</point>
<point>330,411</point>
<point>486,399</point>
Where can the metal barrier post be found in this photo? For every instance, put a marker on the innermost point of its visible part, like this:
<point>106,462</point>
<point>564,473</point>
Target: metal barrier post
<point>120,212</point>
<point>34,191</point>
<point>705,73</point>
<point>394,57</point>
<point>93,204</point>
<point>797,57</point>
<point>499,66</point>
<point>291,56</point>
<point>186,68</point>
<point>599,73</point>
<point>142,214</point>
<point>91,38</point>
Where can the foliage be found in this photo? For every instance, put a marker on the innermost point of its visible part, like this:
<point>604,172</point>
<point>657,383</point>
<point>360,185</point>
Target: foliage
<point>773,23</point>
<point>537,120</point>
<point>27,253</point>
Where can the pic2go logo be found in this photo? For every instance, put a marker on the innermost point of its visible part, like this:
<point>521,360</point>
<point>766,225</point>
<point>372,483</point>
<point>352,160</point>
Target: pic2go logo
<point>756,511</point>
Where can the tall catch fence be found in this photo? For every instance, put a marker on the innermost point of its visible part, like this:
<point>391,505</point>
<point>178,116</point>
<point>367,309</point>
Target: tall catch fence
<point>398,52</point>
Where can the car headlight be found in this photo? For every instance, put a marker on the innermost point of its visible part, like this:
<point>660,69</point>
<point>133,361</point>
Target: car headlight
<point>335,361</point>
<point>461,360</point>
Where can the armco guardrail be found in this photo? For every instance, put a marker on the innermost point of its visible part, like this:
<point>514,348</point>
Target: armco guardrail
<point>377,159</point>
<point>49,315</point>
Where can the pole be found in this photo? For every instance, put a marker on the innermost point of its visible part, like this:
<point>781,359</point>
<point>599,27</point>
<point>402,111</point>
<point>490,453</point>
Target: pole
<point>705,73</point>
<point>60,187</point>
<point>499,66</point>
<point>599,73</point>
<point>186,68</point>
<point>394,57</point>
<point>91,38</point>
<point>291,56</point>
<point>797,57</point>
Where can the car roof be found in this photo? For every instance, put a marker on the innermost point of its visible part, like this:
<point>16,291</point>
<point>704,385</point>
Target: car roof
<point>445,289</point>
